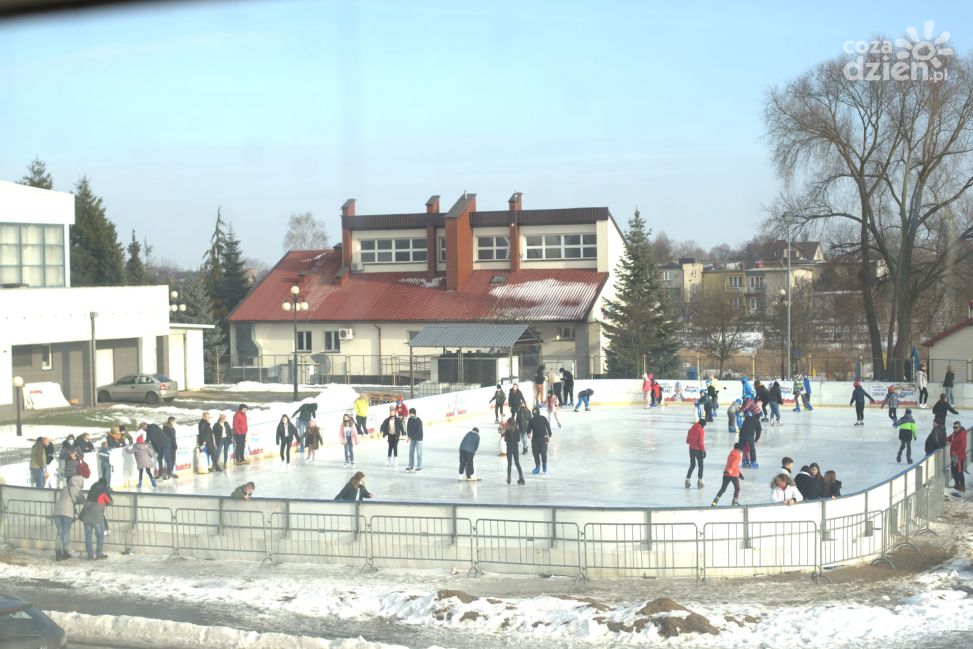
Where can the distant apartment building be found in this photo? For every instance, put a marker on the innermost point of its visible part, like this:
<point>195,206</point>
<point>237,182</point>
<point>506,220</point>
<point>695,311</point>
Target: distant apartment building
<point>755,289</point>
<point>681,280</point>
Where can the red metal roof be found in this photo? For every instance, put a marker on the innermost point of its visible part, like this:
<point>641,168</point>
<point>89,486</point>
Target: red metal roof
<point>549,294</point>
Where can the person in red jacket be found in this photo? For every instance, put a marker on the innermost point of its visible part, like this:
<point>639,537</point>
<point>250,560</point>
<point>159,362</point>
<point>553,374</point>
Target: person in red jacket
<point>401,409</point>
<point>240,435</point>
<point>957,456</point>
<point>697,452</point>
<point>732,474</point>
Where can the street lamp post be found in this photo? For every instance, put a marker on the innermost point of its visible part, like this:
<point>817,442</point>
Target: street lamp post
<point>294,304</point>
<point>782,299</point>
<point>175,307</point>
<point>19,385</point>
<point>788,219</point>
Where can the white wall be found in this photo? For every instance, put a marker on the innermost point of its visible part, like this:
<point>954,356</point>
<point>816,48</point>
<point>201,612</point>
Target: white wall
<point>23,204</point>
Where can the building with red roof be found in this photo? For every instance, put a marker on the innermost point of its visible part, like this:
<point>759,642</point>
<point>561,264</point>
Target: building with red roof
<point>393,274</point>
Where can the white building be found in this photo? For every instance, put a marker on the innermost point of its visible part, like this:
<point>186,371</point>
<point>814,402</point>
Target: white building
<point>77,338</point>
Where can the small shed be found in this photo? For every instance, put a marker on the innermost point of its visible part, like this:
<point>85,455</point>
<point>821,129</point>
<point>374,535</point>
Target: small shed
<point>952,348</point>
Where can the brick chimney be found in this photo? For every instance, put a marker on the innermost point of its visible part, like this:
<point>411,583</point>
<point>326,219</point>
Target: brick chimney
<point>459,241</point>
<point>347,216</point>
<point>515,204</point>
<point>432,251</point>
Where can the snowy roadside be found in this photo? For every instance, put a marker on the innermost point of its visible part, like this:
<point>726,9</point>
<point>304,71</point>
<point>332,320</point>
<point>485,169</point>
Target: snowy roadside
<point>877,608</point>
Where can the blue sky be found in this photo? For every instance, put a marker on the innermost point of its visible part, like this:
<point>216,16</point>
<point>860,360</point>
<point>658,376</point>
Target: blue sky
<point>273,108</point>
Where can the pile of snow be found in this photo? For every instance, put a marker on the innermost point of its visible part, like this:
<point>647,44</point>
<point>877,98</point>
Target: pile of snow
<point>146,632</point>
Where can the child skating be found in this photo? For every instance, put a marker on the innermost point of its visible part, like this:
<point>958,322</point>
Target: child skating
<point>907,433</point>
<point>858,397</point>
<point>552,403</point>
<point>733,417</point>
<point>892,401</point>
<point>697,452</point>
<point>731,475</point>
<point>798,387</point>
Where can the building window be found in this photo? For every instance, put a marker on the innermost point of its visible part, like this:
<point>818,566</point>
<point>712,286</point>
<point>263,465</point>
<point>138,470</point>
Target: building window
<point>412,335</point>
<point>47,358</point>
<point>332,343</point>
<point>442,250</point>
<point>304,341</point>
<point>561,246</point>
<point>756,281</point>
<point>32,254</point>
<point>736,302</point>
<point>667,275</point>
<point>492,248</point>
<point>735,281</point>
<point>754,304</point>
<point>393,251</point>
<point>565,333</point>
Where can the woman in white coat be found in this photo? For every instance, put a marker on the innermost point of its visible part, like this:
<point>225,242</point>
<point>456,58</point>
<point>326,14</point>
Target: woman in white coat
<point>922,386</point>
<point>782,490</point>
<point>65,512</point>
<point>144,458</point>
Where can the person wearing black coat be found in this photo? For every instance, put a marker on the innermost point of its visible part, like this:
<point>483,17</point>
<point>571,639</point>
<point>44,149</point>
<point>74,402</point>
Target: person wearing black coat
<point>467,450</point>
<point>939,410</point>
<point>539,431</point>
<point>750,432</point>
<point>392,430</point>
<point>511,434</point>
<point>763,396</point>
<point>936,439</point>
<point>804,482</point>
<point>858,397</point>
<point>775,400</point>
<point>568,379</point>
<point>169,448</point>
<point>354,490</point>
<point>514,398</point>
<point>206,440</point>
<point>286,434</point>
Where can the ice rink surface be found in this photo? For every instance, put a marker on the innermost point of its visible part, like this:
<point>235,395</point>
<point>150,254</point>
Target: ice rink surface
<point>613,456</point>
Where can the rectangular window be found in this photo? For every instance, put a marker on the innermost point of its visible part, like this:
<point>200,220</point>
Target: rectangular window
<point>392,251</point>
<point>304,342</point>
<point>756,281</point>
<point>667,275</point>
<point>32,254</point>
<point>492,248</point>
<point>442,250</point>
<point>754,303</point>
<point>47,357</point>
<point>412,335</point>
<point>735,281</point>
<point>565,333</point>
<point>561,246</point>
<point>736,302</point>
<point>332,343</point>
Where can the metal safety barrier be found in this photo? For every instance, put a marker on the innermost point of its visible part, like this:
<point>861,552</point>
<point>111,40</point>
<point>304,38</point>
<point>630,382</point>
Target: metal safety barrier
<point>221,534</point>
<point>649,549</point>
<point>547,547</point>
<point>313,537</point>
<point>442,541</point>
<point>753,547</point>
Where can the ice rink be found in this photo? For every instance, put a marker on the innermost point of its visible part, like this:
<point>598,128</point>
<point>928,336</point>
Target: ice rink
<point>615,456</point>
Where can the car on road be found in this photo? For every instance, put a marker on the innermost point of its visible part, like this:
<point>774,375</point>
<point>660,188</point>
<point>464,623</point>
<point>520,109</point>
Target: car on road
<point>24,626</point>
<point>144,388</point>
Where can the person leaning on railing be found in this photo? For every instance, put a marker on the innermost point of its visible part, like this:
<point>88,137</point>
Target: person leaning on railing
<point>243,492</point>
<point>782,490</point>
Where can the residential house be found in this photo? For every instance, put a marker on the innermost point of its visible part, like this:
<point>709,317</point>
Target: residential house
<point>681,280</point>
<point>952,348</point>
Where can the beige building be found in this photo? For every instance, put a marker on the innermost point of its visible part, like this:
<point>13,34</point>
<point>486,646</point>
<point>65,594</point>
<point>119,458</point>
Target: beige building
<point>755,289</point>
<point>681,280</point>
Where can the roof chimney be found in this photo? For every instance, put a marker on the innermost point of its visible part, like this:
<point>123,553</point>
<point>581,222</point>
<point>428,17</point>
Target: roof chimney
<point>347,214</point>
<point>459,241</point>
<point>515,202</point>
<point>432,205</point>
<point>348,209</point>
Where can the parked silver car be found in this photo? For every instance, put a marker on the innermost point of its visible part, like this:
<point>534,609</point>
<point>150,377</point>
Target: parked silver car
<point>149,388</point>
<point>23,626</point>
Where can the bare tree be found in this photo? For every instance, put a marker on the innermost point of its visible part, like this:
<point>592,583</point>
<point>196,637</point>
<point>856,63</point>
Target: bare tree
<point>718,329</point>
<point>891,157</point>
<point>663,248</point>
<point>304,233</point>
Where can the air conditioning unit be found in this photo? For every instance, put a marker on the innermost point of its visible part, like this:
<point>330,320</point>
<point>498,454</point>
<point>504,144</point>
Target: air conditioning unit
<point>346,334</point>
<point>357,267</point>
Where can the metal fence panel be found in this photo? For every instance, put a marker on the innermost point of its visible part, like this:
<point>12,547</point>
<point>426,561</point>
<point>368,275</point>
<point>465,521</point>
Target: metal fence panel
<point>547,547</point>
<point>756,546</point>
<point>427,539</point>
<point>221,534</point>
<point>338,538</point>
<point>657,549</point>
<point>847,538</point>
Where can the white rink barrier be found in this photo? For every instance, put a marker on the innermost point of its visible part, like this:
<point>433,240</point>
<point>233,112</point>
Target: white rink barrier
<point>579,542</point>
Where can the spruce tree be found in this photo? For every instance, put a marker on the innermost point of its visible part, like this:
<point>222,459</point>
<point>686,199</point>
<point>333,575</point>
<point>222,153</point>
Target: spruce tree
<point>37,175</point>
<point>135,271</point>
<point>97,258</point>
<point>235,284</point>
<point>193,294</point>
<point>213,268</point>
<point>636,321</point>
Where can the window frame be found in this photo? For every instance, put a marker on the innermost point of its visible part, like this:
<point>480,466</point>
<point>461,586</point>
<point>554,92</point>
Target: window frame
<point>549,244</point>
<point>43,241</point>
<point>332,342</point>
<point>566,333</point>
<point>416,248</point>
<point>494,247</point>
<point>49,363</point>
<point>303,342</point>
<point>734,281</point>
<point>756,281</point>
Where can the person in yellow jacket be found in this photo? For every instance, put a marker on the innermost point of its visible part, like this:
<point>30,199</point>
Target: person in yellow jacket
<point>361,414</point>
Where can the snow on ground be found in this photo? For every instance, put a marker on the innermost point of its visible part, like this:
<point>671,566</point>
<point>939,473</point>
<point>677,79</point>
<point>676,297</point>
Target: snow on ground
<point>911,610</point>
<point>146,632</point>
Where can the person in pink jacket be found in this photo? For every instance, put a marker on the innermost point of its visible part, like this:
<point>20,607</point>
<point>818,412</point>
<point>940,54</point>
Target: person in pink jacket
<point>348,438</point>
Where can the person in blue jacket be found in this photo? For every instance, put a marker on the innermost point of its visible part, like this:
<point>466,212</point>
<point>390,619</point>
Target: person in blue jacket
<point>858,397</point>
<point>807,393</point>
<point>748,392</point>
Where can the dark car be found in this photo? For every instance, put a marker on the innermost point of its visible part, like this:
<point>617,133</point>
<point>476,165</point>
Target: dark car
<point>24,626</point>
<point>147,388</point>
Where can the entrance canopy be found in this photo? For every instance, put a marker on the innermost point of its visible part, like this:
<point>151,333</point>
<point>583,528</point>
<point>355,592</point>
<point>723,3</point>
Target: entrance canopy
<point>474,336</point>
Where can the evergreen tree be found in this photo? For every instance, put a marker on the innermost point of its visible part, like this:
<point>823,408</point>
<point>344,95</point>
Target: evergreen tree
<point>213,268</point>
<point>235,284</point>
<point>193,294</point>
<point>636,321</point>
<point>97,258</point>
<point>135,270</point>
<point>37,175</point>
